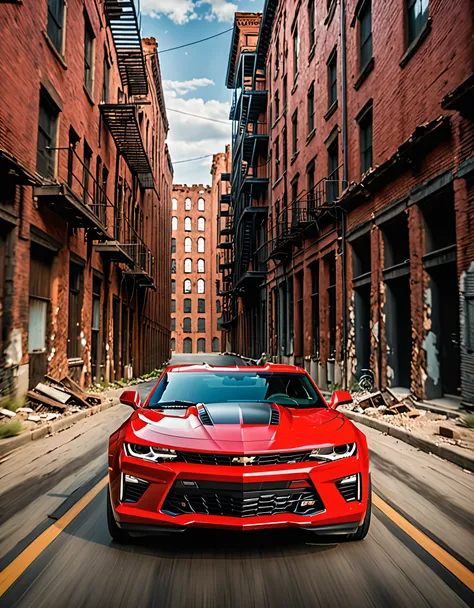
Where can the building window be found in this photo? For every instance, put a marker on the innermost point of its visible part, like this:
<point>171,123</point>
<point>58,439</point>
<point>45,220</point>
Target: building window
<point>187,305</point>
<point>294,190</point>
<point>201,305</point>
<point>277,105</point>
<point>188,265</point>
<point>173,324</point>
<point>174,204</point>
<point>201,285</point>
<point>188,345</point>
<point>187,224</point>
<point>215,345</point>
<point>218,306</point>
<point>201,224</point>
<point>201,325</point>
<point>294,133</point>
<point>201,244</point>
<point>47,133</point>
<point>39,299</point>
<point>277,158</point>
<point>332,78</point>
<point>187,325</point>
<point>332,186</point>
<point>55,26</point>
<point>174,223</point>
<point>173,305</point>
<point>88,55</point>
<point>188,244</point>
<point>365,34</point>
<point>311,109</point>
<point>173,245</point>
<point>417,17</point>
<point>201,204</point>
<point>365,132</point>
<point>315,308</point>
<point>311,25</point>
<point>218,287</point>
<point>173,344</point>
<point>285,91</point>
<point>187,204</point>
<point>201,345</point>
<point>296,52</point>
<point>173,266</point>
<point>76,292</point>
<point>187,286</point>
<point>201,265</point>
<point>106,79</point>
<point>277,55</point>
<point>310,173</point>
<point>86,174</point>
<point>173,286</point>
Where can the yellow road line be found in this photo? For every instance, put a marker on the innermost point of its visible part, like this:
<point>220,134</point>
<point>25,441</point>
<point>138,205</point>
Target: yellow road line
<point>14,570</point>
<point>440,555</point>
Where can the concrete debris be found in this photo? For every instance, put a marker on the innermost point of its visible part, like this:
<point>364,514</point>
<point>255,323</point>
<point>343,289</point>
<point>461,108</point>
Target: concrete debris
<point>33,418</point>
<point>25,410</point>
<point>7,413</point>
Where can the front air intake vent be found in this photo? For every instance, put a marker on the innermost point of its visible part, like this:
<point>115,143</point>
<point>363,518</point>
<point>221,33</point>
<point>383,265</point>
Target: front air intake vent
<point>275,417</point>
<point>349,487</point>
<point>204,416</point>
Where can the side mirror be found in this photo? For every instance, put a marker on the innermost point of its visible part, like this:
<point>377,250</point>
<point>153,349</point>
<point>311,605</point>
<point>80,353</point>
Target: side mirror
<point>131,398</point>
<point>339,398</point>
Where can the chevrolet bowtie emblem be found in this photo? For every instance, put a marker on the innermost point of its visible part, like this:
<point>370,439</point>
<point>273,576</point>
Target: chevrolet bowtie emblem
<point>243,459</point>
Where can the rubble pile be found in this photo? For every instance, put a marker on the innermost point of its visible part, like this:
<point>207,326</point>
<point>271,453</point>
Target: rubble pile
<point>50,400</point>
<point>403,412</point>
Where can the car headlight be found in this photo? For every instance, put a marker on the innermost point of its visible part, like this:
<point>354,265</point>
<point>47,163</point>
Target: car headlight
<point>150,453</point>
<point>335,452</point>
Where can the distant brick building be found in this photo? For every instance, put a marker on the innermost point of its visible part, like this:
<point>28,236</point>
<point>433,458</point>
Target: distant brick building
<point>196,305</point>
<point>85,195</point>
<point>369,119</point>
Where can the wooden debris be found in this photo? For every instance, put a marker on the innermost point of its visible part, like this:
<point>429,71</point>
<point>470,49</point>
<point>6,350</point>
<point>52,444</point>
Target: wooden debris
<point>389,398</point>
<point>446,431</point>
<point>372,400</point>
<point>68,382</point>
<point>400,408</point>
<point>42,400</point>
<point>53,393</point>
<point>413,413</point>
<point>94,399</point>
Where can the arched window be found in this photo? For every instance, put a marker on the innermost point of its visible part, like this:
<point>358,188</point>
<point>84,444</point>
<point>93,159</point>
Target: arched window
<point>215,345</point>
<point>201,345</point>
<point>218,305</point>
<point>187,224</point>
<point>188,244</point>
<point>173,245</point>
<point>174,204</point>
<point>188,345</point>
<point>173,286</point>
<point>201,305</point>
<point>201,325</point>
<point>174,223</point>
<point>201,286</point>
<point>173,266</point>
<point>201,224</point>
<point>187,204</point>
<point>187,325</point>
<point>173,344</point>
<point>200,204</point>
<point>187,305</point>
<point>201,265</point>
<point>188,265</point>
<point>201,244</point>
<point>187,286</point>
<point>173,305</point>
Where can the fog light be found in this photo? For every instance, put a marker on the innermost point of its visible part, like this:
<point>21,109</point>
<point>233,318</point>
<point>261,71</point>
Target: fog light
<point>350,479</point>
<point>132,479</point>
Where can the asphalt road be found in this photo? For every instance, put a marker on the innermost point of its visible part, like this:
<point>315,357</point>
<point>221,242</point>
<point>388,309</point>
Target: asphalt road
<point>80,565</point>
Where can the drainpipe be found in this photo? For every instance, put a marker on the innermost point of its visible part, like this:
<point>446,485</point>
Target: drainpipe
<point>345,181</point>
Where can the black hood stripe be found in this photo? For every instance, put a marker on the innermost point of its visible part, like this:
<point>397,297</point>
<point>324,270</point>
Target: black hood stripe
<point>238,413</point>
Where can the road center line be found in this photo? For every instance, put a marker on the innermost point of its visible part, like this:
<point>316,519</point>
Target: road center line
<point>18,566</point>
<point>14,570</point>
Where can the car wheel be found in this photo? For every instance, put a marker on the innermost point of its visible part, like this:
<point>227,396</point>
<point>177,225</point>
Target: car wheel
<point>117,534</point>
<point>363,530</point>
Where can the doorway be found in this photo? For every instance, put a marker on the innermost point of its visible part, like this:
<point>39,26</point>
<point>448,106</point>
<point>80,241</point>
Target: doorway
<point>398,332</point>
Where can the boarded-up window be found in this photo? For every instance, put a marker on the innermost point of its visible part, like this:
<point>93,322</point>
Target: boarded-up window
<point>40,290</point>
<point>76,293</point>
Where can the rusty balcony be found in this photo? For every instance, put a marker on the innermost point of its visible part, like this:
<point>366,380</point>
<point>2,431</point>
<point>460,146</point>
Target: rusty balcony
<point>123,18</point>
<point>75,194</point>
<point>122,122</point>
<point>142,268</point>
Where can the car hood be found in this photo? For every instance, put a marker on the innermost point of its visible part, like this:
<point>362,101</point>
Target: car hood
<point>240,427</point>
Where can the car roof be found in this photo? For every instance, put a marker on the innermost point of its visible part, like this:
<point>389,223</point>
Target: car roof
<point>205,367</point>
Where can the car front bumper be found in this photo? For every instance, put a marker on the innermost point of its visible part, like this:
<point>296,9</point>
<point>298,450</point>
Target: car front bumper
<point>150,514</point>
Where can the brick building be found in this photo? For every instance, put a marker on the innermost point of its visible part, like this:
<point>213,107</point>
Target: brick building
<point>196,306</point>
<point>85,194</point>
<point>370,191</point>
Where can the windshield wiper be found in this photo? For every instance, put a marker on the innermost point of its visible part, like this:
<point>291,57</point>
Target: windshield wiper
<point>163,405</point>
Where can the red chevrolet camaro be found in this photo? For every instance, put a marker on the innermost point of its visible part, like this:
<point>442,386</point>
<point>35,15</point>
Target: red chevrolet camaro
<point>239,448</point>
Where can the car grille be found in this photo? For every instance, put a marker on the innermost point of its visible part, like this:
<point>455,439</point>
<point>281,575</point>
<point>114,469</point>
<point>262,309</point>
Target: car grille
<point>241,500</point>
<point>241,460</point>
<point>349,487</point>
<point>132,492</point>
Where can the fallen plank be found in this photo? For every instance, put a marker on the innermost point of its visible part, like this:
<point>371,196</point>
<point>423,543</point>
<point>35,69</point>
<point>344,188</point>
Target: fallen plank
<point>400,408</point>
<point>42,400</point>
<point>72,384</point>
<point>53,393</point>
<point>78,398</point>
<point>9,413</point>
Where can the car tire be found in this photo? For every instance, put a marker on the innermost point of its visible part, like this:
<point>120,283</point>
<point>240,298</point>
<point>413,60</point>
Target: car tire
<point>363,529</point>
<point>117,534</point>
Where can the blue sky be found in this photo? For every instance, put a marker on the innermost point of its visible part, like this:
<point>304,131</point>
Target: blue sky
<point>194,77</point>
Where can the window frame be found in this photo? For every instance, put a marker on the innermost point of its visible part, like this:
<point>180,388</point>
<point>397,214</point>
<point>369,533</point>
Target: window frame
<point>201,305</point>
<point>188,266</point>
<point>365,123</point>
<point>201,325</point>
<point>311,25</point>
<point>201,204</point>
<point>201,224</point>
<point>332,78</point>
<point>59,21</point>
<point>188,244</point>
<point>415,28</point>
<point>310,108</point>
<point>187,286</point>
<point>42,156</point>
<point>187,325</point>
<point>199,283</point>
<point>187,305</point>
<point>187,204</point>
<point>294,133</point>
<point>365,13</point>
<point>188,224</point>
<point>202,240</point>
<point>89,52</point>
<point>201,263</point>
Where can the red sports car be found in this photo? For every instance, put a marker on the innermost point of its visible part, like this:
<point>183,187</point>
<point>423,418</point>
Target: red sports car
<point>239,448</point>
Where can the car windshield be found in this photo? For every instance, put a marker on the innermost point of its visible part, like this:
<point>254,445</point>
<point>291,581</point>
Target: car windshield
<point>290,389</point>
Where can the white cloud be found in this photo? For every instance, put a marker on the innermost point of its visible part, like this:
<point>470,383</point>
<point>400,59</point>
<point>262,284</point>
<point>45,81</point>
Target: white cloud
<point>182,11</point>
<point>182,87</point>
